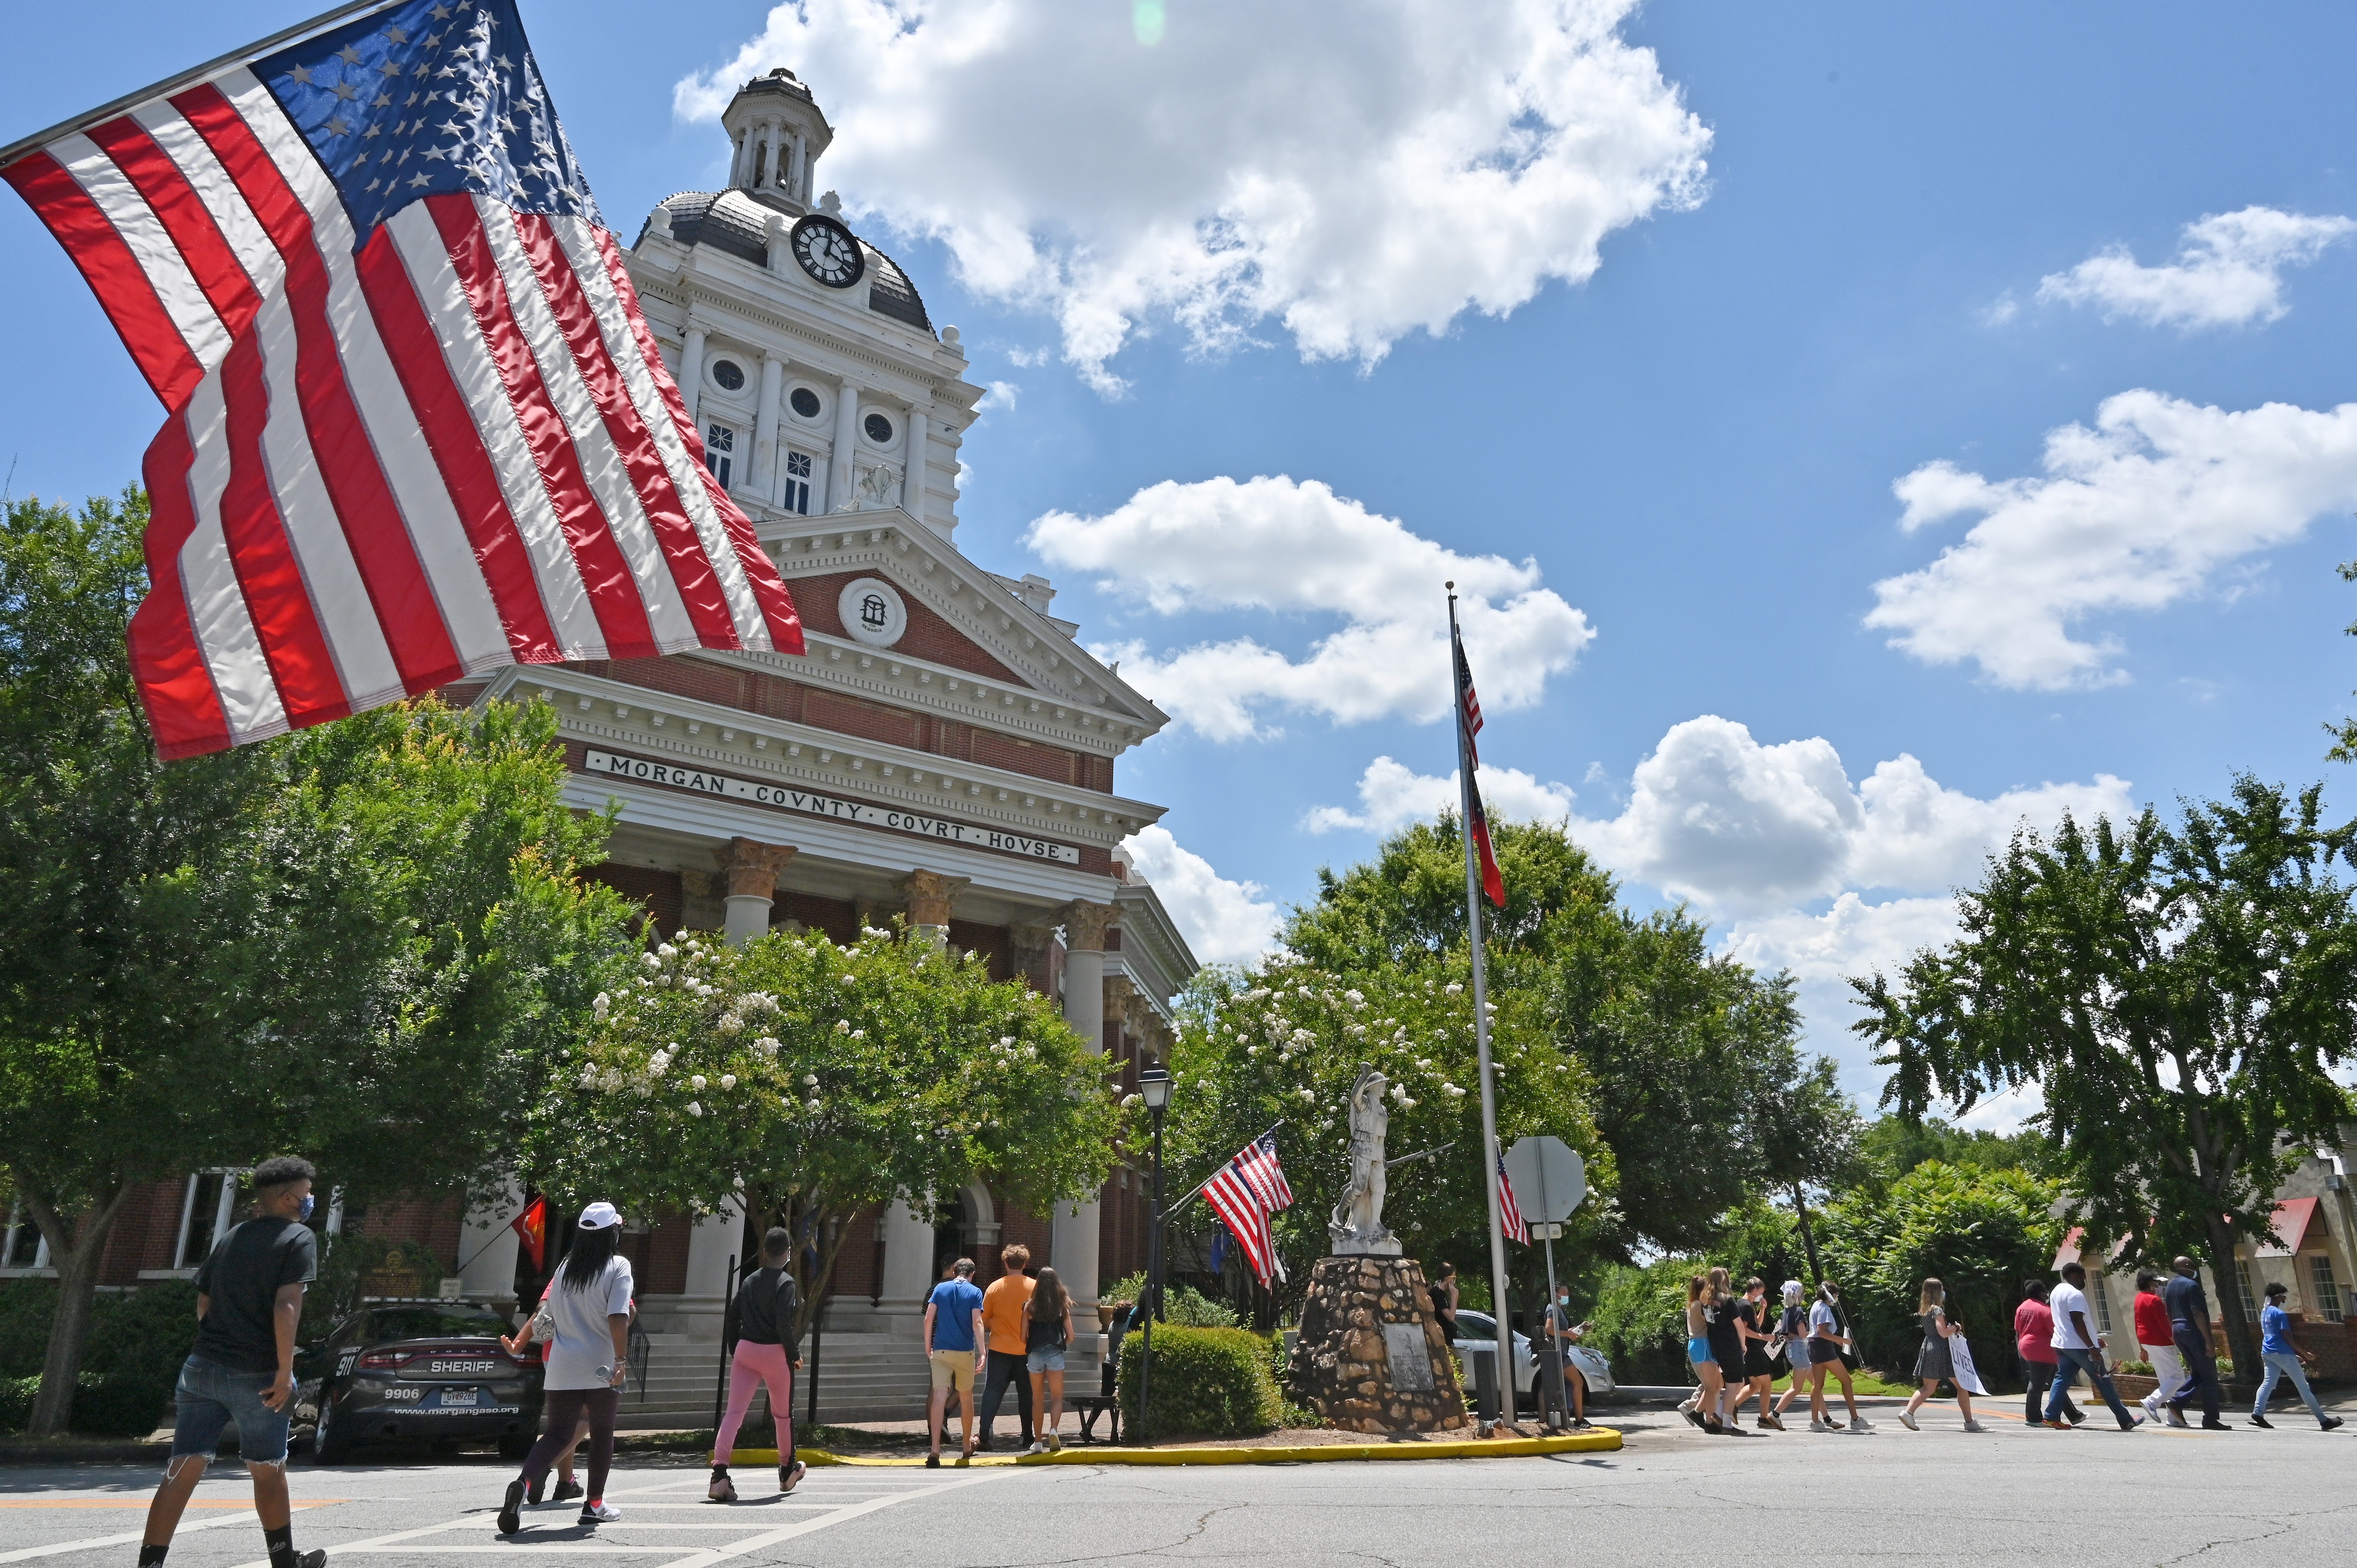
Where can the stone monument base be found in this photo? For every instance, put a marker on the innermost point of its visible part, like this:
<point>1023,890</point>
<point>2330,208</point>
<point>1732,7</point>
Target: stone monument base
<point>1370,1355</point>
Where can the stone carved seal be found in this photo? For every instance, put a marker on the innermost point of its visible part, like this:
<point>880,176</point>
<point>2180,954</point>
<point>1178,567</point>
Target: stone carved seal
<point>1356,1228</point>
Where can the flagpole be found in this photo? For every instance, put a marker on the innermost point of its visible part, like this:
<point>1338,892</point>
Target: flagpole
<point>18,148</point>
<point>1172,1212</point>
<point>1490,1153</point>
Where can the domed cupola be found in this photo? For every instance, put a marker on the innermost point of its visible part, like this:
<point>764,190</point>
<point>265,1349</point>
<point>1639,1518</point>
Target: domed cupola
<point>778,133</point>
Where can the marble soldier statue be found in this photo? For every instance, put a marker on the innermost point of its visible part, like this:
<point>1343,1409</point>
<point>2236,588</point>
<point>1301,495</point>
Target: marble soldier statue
<point>1357,1226</point>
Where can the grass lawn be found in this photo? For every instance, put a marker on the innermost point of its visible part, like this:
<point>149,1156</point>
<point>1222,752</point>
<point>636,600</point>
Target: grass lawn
<point>1863,1382</point>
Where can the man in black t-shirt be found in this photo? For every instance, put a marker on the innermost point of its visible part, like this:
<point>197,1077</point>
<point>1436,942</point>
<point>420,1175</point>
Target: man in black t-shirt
<point>249,1304</point>
<point>2188,1322</point>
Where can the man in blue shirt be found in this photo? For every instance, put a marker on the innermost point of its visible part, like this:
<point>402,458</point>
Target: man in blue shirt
<point>953,1332</point>
<point>2189,1321</point>
<point>2283,1356</point>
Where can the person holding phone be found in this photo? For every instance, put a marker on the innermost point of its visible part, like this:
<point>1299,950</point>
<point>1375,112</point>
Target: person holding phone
<point>1562,1334</point>
<point>586,1322</point>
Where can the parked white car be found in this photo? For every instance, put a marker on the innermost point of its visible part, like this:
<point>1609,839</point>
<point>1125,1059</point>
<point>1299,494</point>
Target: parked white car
<point>1479,1329</point>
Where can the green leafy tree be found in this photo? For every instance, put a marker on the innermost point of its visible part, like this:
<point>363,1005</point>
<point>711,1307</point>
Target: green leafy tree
<point>1281,1047</point>
<point>809,1081</point>
<point>1890,1146</point>
<point>1979,1232</point>
<point>355,942</point>
<point>1685,1048</point>
<point>1809,1144</point>
<point>2182,999</point>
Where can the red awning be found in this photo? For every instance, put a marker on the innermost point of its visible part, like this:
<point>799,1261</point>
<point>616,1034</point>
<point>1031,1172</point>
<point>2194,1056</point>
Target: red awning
<point>2291,1220</point>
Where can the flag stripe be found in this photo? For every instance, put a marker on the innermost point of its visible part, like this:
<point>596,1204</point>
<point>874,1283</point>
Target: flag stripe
<point>685,607</point>
<point>176,289</point>
<point>572,268</point>
<point>623,617</point>
<point>783,629</point>
<point>175,201</point>
<point>375,556</point>
<point>474,371</point>
<point>184,710</point>
<point>218,615</point>
<point>113,273</point>
<point>449,430</point>
<point>267,572</point>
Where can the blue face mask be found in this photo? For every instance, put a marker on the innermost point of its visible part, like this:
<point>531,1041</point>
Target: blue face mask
<point>309,1201</point>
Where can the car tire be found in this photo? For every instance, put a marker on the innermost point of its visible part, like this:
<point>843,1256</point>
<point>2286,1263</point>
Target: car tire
<point>328,1443</point>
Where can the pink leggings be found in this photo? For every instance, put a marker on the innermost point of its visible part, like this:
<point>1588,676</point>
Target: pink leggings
<point>751,1365</point>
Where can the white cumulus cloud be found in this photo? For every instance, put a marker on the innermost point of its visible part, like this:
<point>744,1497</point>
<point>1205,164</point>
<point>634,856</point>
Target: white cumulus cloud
<point>1352,176</point>
<point>2132,514</point>
<point>2227,271</point>
<point>1225,921</point>
<point>1392,795</point>
<point>1275,545</point>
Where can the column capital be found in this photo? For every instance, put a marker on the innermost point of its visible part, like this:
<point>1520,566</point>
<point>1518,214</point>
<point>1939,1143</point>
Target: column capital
<point>1024,943</point>
<point>1085,924</point>
<point>930,894</point>
<point>753,866</point>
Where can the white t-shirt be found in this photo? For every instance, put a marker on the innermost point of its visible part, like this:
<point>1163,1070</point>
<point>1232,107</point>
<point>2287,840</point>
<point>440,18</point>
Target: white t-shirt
<point>1821,1316</point>
<point>584,1341</point>
<point>2066,1299</point>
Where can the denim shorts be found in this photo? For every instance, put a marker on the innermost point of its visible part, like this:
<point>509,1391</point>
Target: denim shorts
<point>211,1396</point>
<point>1047,1358</point>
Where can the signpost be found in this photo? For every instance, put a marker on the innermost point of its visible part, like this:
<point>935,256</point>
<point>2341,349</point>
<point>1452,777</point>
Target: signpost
<point>1550,1181</point>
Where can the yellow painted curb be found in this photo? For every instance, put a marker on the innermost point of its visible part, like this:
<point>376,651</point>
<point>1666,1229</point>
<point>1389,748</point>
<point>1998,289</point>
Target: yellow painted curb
<point>1603,1440</point>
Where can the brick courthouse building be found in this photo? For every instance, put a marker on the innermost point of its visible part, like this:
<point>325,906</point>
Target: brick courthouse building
<point>944,751</point>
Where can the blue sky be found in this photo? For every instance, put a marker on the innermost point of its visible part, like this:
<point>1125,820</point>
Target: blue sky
<point>1825,281</point>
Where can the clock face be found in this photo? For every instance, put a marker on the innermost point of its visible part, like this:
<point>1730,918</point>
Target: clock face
<point>828,252</point>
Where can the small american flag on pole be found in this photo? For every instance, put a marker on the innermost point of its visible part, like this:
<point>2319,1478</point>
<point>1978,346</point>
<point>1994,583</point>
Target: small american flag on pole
<point>1247,1190</point>
<point>1510,1213</point>
<point>418,429</point>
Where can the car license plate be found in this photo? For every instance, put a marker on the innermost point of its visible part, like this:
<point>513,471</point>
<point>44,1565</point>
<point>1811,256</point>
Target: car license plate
<point>454,1398</point>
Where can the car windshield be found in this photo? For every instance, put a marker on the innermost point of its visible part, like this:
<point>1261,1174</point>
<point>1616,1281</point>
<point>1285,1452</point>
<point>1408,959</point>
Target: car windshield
<point>388,1323</point>
<point>1475,1326</point>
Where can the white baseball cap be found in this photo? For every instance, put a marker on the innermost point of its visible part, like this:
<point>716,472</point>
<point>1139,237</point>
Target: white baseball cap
<point>600,1216</point>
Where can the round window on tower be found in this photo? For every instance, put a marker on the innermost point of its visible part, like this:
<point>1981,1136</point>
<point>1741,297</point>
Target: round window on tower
<point>879,429</point>
<point>806,403</point>
<point>728,375</point>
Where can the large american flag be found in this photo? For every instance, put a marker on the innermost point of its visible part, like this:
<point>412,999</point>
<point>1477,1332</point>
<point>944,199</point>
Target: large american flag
<point>1469,723</point>
<point>1248,1189</point>
<point>418,427</point>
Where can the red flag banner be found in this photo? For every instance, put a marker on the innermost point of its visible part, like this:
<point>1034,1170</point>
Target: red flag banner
<point>1248,1189</point>
<point>417,426</point>
<point>531,1228</point>
<point>1510,1213</point>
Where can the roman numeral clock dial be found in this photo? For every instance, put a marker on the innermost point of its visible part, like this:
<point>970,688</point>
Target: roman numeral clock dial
<point>828,252</point>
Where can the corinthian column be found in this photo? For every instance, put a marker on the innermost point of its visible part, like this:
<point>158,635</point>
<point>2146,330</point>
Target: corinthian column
<point>1077,1226</point>
<point>752,869</point>
<point>929,896</point>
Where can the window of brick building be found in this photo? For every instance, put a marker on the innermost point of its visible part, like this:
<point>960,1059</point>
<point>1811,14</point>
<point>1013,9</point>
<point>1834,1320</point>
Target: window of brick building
<point>2327,1288</point>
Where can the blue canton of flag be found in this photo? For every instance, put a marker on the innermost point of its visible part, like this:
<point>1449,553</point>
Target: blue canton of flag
<point>427,98</point>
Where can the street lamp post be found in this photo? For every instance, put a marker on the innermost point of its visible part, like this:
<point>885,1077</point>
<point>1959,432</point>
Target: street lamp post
<point>1154,1087</point>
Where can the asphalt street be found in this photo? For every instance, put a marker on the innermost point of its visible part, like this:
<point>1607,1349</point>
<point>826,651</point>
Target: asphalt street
<point>2096,1494</point>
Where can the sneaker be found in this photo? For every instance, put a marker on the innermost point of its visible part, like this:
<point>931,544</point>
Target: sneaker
<point>1816,1425</point>
<point>2077,1417</point>
<point>531,1493</point>
<point>1859,1423</point>
<point>315,1558</point>
<point>1035,1448</point>
<point>1056,1444</point>
<point>932,1461</point>
<point>2209,1425</point>
<point>791,1476</point>
<point>1908,1421</point>
<point>1693,1415</point>
<point>599,1512</point>
<point>1975,1426</point>
<point>722,1489</point>
<point>2177,1419</point>
<point>511,1509</point>
<point>2330,1422</point>
<point>567,1491</point>
<point>2263,1423</point>
<point>2131,1424</point>
<point>2062,1425</point>
<point>983,1444</point>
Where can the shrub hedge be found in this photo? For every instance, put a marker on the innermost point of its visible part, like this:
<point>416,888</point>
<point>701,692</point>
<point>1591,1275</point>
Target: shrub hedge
<point>1209,1383</point>
<point>137,1340</point>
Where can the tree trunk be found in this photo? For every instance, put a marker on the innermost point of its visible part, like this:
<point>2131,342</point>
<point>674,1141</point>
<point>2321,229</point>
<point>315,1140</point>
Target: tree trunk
<point>2226,1268</point>
<point>76,1258</point>
<point>1808,1237</point>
